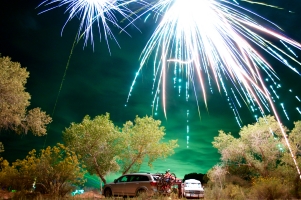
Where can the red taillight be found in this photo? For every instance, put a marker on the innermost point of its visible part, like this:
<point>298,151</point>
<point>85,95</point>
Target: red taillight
<point>153,183</point>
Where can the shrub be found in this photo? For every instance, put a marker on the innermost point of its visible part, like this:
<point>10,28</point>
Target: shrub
<point>55,171</point>
<point>229,191</point>
<point>269,188</point>
<point>9,176</point>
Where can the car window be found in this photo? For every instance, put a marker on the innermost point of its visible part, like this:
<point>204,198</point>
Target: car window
<point>132,178</point>
<point>143,178</point>
<point>139,178</point>
<point>123,179</point>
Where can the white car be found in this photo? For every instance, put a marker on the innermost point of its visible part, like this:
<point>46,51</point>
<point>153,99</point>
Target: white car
<point>192,188</point>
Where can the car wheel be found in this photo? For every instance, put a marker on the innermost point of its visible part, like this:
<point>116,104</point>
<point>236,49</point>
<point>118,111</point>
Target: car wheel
<point>141,193</point>
<point>108,192</point>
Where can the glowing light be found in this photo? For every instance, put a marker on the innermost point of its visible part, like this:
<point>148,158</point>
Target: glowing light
<point>187,129</point>
<point>289,49</point>
<point>77,192</point>
<point>284,111</point>
<point>217,41</point>
<point>101,12</point>
<point>298,110</point>
<point>274,92</point>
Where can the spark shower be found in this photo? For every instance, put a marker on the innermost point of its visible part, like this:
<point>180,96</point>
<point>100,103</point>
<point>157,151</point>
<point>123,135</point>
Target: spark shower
<point>217,42</point>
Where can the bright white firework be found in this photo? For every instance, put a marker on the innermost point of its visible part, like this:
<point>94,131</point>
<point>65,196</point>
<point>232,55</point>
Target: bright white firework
<point>216,41</point>
<point>101,12</point>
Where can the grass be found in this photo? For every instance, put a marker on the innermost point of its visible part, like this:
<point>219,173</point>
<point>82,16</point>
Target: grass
<point>86,196</point>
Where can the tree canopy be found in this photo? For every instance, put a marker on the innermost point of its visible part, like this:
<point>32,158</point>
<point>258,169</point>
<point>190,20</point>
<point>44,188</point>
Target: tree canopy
<point>198,176</point>
<point>14,101</point>
<point>98,142</point>
<point>144,139</point>
<point>258,161</point>
<point>104,147</point>
<point>259,146</point>
<point>55,170</point>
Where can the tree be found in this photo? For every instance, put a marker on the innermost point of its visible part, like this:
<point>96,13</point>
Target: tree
<point>144,139</point>
<point>217,175</point>
<point>295,139</point>
<point>54,171</point>
<point>287,168</point>
<point>260,160</point>
<point>259,147</point>
<point>14,101</point>
<point>198,176</point>
<point>98,142</point>
<point>58,170</point>
<point>1,147</point>
<point>8,175</point>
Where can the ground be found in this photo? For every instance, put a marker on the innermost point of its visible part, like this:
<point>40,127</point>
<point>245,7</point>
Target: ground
<point>4,194</point>
<point>93,194</point>
<point>89,195</point>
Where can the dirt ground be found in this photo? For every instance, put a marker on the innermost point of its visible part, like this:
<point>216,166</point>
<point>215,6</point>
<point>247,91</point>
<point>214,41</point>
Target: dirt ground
<point>89,195</point>
<point>86,195</point>
<point>4,194</point>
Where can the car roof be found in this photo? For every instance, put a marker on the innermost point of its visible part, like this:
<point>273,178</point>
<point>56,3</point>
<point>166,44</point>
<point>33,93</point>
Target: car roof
<point>142,173</point>
<point>192,181</point>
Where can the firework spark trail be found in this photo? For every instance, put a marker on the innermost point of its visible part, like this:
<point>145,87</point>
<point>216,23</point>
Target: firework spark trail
<point>100,12</point>
<point>211,39</point>
<point>91,11</point>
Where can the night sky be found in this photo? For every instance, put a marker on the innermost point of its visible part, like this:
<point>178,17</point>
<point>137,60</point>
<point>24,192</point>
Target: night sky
<point>98,82</point>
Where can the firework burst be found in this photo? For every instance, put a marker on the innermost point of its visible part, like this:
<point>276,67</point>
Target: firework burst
<point>211,41</point>
<point>101,12</point>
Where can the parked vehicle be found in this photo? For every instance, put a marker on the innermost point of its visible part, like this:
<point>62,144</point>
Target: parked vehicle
<point>133,184</point>
<point>192,188</point>
<point>165,182</point>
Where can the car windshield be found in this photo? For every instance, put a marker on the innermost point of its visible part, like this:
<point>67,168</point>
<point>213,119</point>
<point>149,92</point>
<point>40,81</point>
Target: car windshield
<point>193,184</point>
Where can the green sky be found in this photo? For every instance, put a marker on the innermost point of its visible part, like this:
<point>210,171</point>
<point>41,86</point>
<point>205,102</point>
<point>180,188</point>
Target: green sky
<point>97,82</point>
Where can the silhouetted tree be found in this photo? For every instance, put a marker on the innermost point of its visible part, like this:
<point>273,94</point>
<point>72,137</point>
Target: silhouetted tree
<point>198,176</point>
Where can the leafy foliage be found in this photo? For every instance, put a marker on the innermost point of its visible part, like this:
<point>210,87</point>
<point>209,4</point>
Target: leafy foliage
<point>98,142</point>
<point>257,148</point>
<point>14,101</point>
<point>198,176</point>
<point>269,188</point>
<point>144,139</point>
<point>258,163</point>
<point>295,138</point>
<point>53,172</point>
<point>8,175</point>
<point>217,175</point>
<point>105,148</point>
<point>1,147</point>
<point>57,168</point>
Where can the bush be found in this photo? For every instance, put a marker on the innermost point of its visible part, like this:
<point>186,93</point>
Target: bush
<point>27,195</point>
<point>269,188</point>
<point>10,177</point>
<point>230,191</point>
<point>234,192</point>
<point>55,171</point>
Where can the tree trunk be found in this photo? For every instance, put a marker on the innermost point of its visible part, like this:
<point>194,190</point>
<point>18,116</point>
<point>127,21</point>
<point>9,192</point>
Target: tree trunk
<point>100,186</point>
<point>98,172</point>
<point>130,166</point>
